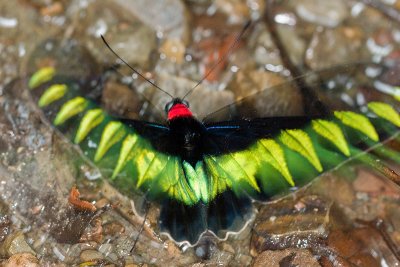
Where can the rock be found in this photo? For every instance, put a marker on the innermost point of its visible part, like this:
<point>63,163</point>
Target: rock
<point>174,50</point>
<point>113,228</point>
<point>291,223</point>
<point>344,193</point>
<point>133,43</point>
<point>131,38</point>
<point>392,75</point>
<point>169,17</point>
<point>331,47</point>
<point>5,224</point>
<point>18,30</point>
<point>265,52</point>
<point>364,259</point>
<point>287,257</point>
<point>264,94</point>
<point>15,243</point>
<point>352,249</point>
<point>325,13</point>
<point>120,100</point>
<point>106,249</point>
<point>238,11</point>
<point>90,255</point>
<point>373,185</point>
<point>381,42</point>
<point>52,10</point>
<point>94,232</point>
<point>295,44</point>
<point>344,244</point>
<point>21,259</point>
<point>69,57</point>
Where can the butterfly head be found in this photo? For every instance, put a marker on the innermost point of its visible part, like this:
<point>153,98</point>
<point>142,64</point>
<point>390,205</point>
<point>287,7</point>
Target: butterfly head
<point>177,108</point>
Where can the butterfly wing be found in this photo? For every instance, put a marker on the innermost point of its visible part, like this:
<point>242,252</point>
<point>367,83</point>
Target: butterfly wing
<point>320,89</point>
<point>120,147</point>
<point>259,158</point>
<point>272,155</point>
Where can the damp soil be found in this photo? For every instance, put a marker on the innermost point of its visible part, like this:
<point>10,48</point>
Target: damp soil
<point>346,217</point>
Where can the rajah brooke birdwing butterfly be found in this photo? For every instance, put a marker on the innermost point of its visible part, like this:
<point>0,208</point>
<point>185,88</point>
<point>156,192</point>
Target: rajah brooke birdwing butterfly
<point>206,173</point>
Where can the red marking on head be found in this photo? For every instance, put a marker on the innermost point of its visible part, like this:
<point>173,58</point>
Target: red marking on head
<point>179,111</point>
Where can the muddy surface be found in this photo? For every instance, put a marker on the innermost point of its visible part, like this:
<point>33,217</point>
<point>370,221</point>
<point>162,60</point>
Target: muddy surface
<point>346,217</point>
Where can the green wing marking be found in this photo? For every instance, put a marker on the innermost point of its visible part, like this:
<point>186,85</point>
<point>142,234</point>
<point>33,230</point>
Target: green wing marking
<point>53,93</point>
<point>261,168</point>
<point>197,179</point>
<point>90,120</point>
<point>70,109</point>
<point>112,134</point>
<point>358,122</point>
<point>126,154</point>
<point>149,164</point>
<point>385,111</point>
<point>172,181</point>
<point>299,141</point>
<point>332,132</point>
<point>218,179</point>
<point>240,168</point>
<point>41,76</point>
<point>272,153</point>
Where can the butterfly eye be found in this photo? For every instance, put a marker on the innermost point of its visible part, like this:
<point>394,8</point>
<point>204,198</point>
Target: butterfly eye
<point>168,106</point>
<point>185,103</point>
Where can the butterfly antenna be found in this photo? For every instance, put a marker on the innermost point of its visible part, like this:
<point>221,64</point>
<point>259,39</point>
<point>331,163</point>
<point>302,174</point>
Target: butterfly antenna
<point>222,58</point>
<point>133,69</point>
<point>114,68</point>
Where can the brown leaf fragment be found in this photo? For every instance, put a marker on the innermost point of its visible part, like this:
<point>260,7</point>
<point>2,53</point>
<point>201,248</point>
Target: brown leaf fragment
<point>79,204</point>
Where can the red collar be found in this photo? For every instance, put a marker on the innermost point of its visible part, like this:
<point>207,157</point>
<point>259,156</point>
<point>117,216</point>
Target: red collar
<point>179,111</point>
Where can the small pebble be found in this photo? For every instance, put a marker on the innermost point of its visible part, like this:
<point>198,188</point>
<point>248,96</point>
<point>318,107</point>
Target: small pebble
<point>173,49</point>
<point>90,255</point>
<point>326,13</point>
<point>287,257</point>
<point>52,10</point>
<point>21,259</point>
<point>14,244</point>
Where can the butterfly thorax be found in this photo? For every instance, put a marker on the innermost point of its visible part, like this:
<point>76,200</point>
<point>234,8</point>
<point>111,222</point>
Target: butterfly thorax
<point>186,132</point>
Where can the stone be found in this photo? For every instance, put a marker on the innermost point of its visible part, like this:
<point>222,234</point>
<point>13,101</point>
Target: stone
<point>15,243</point>
<point>287,257</point>
<point>91,255</point>
<point>238,11</point>
<point>21,259</point>
<point>325,13</point>
<point>173,49</point>
<point>282,224</point>
<point>5,225</point>
<point>265,94</point>
<point>264,50</point>
<point>168,17</point>
<point>120,100</point>
<point>332,47</point>
<point>134,43</point>
<point>295,44</point>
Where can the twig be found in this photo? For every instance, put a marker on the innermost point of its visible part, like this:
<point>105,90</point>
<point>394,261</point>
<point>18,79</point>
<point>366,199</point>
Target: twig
<point>386,10</point>
<point>316,107</point>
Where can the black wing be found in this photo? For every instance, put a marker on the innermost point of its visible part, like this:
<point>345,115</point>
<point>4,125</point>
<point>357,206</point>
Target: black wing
<point>236,135</point>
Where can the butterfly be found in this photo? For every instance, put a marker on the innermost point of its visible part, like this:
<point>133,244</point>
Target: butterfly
<point>206,173</point>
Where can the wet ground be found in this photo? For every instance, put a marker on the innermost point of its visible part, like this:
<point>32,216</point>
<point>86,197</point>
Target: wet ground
<point>347,217</point>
